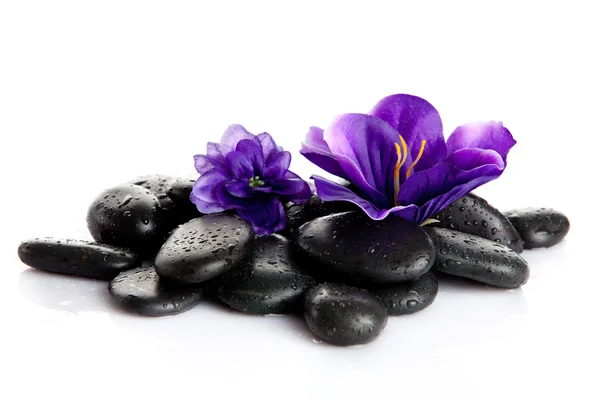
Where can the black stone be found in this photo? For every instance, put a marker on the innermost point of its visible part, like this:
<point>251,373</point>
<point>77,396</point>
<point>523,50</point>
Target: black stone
<point>479,259</point>
<point>299,214</point>
<point>204,248</point>
<point>410,297</point>
<point>354,248</point>
<point>127,216</point>
<point>268,281</point>
<point>142,292</point>
<point>76,257</point>
<point>472,214</point>
<point>539,227</point>
<point>343,315</point>
<point>157,184</point>
<point>180,189</point>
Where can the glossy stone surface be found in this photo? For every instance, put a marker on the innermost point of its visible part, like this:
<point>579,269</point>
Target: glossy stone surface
<point>180,189</point>
<point>472,214</point>
<point>141,292</point>
<point>539,227</point>
<point>76,257</point>
<point>204,248</point>
<point>299,214</point>
<point>127,216</point>
<point>157,184</point>
<point>354,248</point>
<point>479,259</point>
<point>343,315</point>
<point>410,297</point>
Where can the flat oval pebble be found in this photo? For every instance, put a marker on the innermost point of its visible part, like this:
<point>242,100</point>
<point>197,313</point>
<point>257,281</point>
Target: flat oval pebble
<point>127,216</point>
<point>343,315</point>
<point>204,248</point>
<point>355,248</point>
<point>539,227</point>
<point>299,214</point>
<point>472,214</point>
<point>479,259</point>
<point>268,281</point>
<point>76,257</point>
<point>410,297</point>
<point>141,292</point>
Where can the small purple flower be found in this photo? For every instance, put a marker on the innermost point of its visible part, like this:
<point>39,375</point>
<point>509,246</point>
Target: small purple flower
<point>247,173</point>
<point>398,160</point>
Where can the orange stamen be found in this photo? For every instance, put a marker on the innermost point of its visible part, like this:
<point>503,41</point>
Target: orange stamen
<point>410,168</point>
<point>402,154</point>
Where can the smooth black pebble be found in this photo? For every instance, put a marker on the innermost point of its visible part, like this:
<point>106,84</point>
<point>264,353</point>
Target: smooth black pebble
<point>77,257</point>
<point>142,292</point>
<point>180,189</point>
<point>299,214</point>
<point>539,227</point>
<point>343,315</point>
<point>204,248</point>
<point>410,297</point>
<point>479,259</point>
<point>268,281</point>
<point>357,249</point>
<point>127,216</point>
<point>472,214</point>
<point>157,184</point>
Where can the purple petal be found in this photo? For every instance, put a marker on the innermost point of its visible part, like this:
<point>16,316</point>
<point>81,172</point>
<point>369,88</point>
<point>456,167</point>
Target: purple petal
<point>232,136</point>
<point>239,165</point>
<point>269,147</point>
<point>202,163</point>
<point>318,152</point>
<point>365,148</point>
<point>331,191</point>
<point>204,191</point>
<point>300,196</point>
<point>254,153</point>
<point>213,152</point>
<point>239,189</point>
<point>490,135</point>
<point>416,120</point>
<point>286,187</point>
<point>266,216</point>
<point>277,165</point>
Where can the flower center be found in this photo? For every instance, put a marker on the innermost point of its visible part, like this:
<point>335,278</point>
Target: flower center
<point>402,154</point>
<point>255,181</point>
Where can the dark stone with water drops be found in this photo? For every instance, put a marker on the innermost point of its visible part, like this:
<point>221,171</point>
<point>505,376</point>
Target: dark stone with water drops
<point>343,315</point>
<point>204,248</point>
<point>410,297</point>
<point>268,281</point>
<point>180,189</point>
<point>357,249</point>
<point>472,214</point>
<point>539,227</point>
<point>142,292</point>
<point>299,214</point>
<point>157,184</point>
<point>76,257</point>
<point>479,259</point>
<point>127,216</point>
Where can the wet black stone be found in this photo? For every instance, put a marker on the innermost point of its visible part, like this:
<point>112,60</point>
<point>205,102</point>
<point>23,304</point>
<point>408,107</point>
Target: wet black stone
<point>343,315</point>
<point>410,297</point>
<point>479,259</point>
<point>180,189</point>
<point>354,248</point>
<point>299,214</point>
<point>268,281</point>
<point>157,184</point>
<point>204,248</point>
<point>76,257</point>
<point>539,227</point>
<point>142,292</point>
<point>127,216</point>
<point>472,214</point>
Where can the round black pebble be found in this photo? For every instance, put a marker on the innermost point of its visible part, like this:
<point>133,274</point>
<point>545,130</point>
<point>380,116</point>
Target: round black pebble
<point>76,257</point>
<point>539,227</point>
<point>299,214</point>
<point>157,184</point>
<point>479,259</point>
<point>343,315</point>
<point>472,214</point>
<point>357,249</point>
<point>204,248</point>
<point>410,297</point>
<point>127,216</point>
<point>141,292</point>
<point>268,281</point>
<point>180,189</point>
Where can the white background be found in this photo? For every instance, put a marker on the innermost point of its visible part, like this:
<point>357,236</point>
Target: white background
<point>94,93</point>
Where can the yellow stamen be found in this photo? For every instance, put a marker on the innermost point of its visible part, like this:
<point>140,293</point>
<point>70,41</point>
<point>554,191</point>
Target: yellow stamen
<point>410,168</point>
<point>402,154</point>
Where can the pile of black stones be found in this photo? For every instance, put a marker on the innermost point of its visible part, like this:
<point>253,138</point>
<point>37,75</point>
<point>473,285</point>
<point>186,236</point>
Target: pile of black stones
<point>343,272</point>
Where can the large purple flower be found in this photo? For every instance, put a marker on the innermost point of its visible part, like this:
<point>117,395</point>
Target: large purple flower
<point>248,173</point>
<point>398,160</point>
